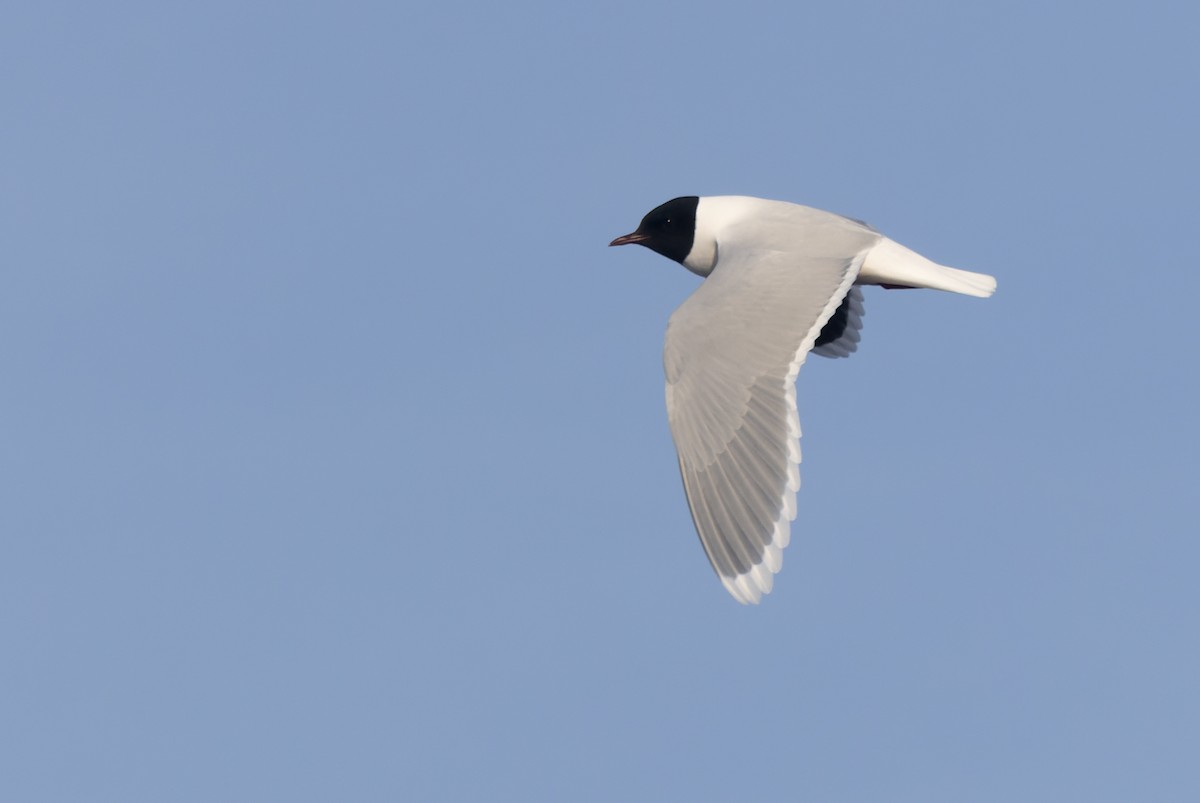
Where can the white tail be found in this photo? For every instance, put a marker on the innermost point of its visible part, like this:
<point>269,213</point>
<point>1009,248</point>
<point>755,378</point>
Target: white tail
<point>890,263</point>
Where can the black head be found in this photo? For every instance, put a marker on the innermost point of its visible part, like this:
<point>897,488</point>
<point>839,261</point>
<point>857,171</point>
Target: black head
<point>668,229</point>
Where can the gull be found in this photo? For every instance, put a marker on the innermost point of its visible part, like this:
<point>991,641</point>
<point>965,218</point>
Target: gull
<point>781,280</point>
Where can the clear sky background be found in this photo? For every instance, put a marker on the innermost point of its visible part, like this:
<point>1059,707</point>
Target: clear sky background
<point>333,457</point>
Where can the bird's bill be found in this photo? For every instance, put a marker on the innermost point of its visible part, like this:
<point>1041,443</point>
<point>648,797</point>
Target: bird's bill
<point>626,239</point>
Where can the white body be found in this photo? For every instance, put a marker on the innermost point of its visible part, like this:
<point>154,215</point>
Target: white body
<point>887,262</point>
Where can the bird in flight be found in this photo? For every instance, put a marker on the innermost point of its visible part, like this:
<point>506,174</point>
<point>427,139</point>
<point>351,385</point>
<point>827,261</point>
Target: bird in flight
<point>781,280</point>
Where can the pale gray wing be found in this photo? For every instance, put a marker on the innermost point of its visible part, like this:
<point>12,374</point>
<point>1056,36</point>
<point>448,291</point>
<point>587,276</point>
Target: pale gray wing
<point>733,350</point>
<point>840,335</point>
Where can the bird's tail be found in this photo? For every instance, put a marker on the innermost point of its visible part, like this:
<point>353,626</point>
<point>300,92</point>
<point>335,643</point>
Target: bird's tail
<point>892,265</point>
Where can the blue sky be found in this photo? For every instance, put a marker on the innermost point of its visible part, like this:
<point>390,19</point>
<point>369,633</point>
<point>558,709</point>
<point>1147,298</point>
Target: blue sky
<point>333,451</point>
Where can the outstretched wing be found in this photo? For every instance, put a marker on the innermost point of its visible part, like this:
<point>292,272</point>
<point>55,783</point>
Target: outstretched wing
<point>733,350</point>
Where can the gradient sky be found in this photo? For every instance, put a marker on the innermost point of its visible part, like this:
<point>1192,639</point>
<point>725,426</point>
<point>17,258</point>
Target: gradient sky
<point>333,457</point>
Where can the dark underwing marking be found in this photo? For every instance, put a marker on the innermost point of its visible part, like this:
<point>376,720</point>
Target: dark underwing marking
<point>835,327</point>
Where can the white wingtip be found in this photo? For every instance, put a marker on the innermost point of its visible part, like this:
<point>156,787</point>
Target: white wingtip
<point>750,587</point>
